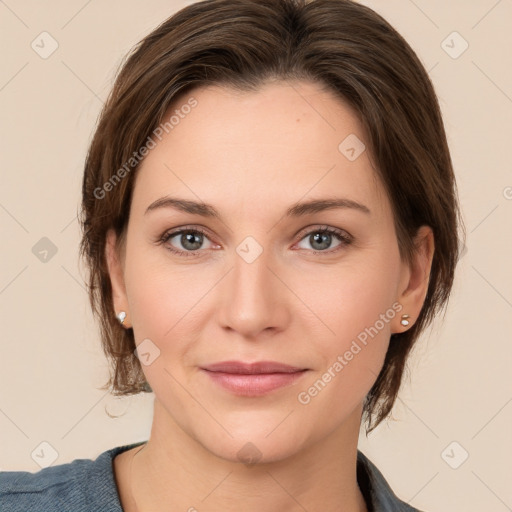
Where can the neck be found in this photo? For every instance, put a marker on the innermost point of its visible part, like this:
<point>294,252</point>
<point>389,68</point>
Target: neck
<point>172,471</point>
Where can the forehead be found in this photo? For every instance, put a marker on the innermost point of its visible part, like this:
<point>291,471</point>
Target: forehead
<point>287,139</point>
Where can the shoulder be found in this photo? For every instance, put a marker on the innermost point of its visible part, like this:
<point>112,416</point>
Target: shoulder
<point>47,489</point>
<point>376,489</point>
<point>82,485</point>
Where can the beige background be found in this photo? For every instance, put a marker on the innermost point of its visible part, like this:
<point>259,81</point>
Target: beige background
<point>51,364</point>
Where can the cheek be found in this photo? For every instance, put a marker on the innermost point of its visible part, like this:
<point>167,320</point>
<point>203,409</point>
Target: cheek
<point>161,304</point>
<point>167,304</point>
<point>351,356</point>
<point>162,295</point>
<point>352,296</point>
<point>355,306</point>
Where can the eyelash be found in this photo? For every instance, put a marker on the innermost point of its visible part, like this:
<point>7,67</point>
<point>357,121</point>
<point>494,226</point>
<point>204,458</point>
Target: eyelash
<point>342,236</point>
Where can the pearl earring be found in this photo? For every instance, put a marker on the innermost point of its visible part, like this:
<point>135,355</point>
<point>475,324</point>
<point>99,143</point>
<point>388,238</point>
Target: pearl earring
<point>405,321</point>
<point>121,316</point>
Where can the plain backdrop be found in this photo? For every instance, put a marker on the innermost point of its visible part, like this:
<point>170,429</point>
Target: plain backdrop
<point>448,445</point>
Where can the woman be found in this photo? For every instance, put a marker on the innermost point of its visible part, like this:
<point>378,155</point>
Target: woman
<point>269,217</point>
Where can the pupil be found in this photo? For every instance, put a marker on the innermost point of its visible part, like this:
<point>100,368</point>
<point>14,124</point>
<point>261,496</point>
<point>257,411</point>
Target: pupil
<point>189,238</point>
<point>322,237</point>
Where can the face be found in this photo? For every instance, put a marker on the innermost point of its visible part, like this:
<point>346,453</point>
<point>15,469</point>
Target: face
<point>255,277</point>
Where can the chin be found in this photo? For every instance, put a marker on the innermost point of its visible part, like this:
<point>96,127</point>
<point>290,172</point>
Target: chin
<point>252,445</point>
<point>253,453</point>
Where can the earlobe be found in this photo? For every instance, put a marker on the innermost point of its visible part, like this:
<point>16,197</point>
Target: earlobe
<point>116,273</point>
<point>414,288</point>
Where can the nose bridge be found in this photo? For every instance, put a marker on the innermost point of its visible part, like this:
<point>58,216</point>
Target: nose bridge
<point>253,298</point>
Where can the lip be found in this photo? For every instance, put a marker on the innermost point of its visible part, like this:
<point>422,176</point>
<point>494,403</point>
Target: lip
<point>253,379</point>
<point>239,367</point>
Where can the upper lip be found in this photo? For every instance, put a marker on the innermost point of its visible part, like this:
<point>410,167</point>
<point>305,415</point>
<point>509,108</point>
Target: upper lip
<point>239,367</point>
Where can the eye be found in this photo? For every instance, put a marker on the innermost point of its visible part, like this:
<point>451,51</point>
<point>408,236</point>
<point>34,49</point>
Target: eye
<point>188,240</point>
<point>321,239</point>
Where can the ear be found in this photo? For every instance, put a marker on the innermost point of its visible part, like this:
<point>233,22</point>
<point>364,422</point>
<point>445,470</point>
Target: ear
<point>116,274</point>
<point>415,277</point>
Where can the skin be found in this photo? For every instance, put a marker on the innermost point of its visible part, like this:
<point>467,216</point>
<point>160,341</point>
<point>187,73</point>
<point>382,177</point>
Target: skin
<point>252,155</point>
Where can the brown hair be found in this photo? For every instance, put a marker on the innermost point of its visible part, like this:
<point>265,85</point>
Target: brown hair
<point>340,44</point>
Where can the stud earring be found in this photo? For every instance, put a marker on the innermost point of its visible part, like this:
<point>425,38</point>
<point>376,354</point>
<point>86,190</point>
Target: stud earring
<point>405,321</point>
<point>121,316</point>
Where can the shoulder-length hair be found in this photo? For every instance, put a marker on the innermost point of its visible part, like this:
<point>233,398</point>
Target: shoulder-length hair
<point>340,44</point>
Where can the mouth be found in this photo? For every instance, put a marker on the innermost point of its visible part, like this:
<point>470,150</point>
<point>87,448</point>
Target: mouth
<point>253,379</point>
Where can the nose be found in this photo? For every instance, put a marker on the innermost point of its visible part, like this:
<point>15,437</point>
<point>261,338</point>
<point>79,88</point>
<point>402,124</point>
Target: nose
<point>255,299</point>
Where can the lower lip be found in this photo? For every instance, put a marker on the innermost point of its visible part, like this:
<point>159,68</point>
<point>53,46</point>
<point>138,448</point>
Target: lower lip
<point>254,384</point>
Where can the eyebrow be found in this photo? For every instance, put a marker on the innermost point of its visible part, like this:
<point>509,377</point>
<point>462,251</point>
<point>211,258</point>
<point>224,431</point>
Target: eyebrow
<point>296,210</point>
